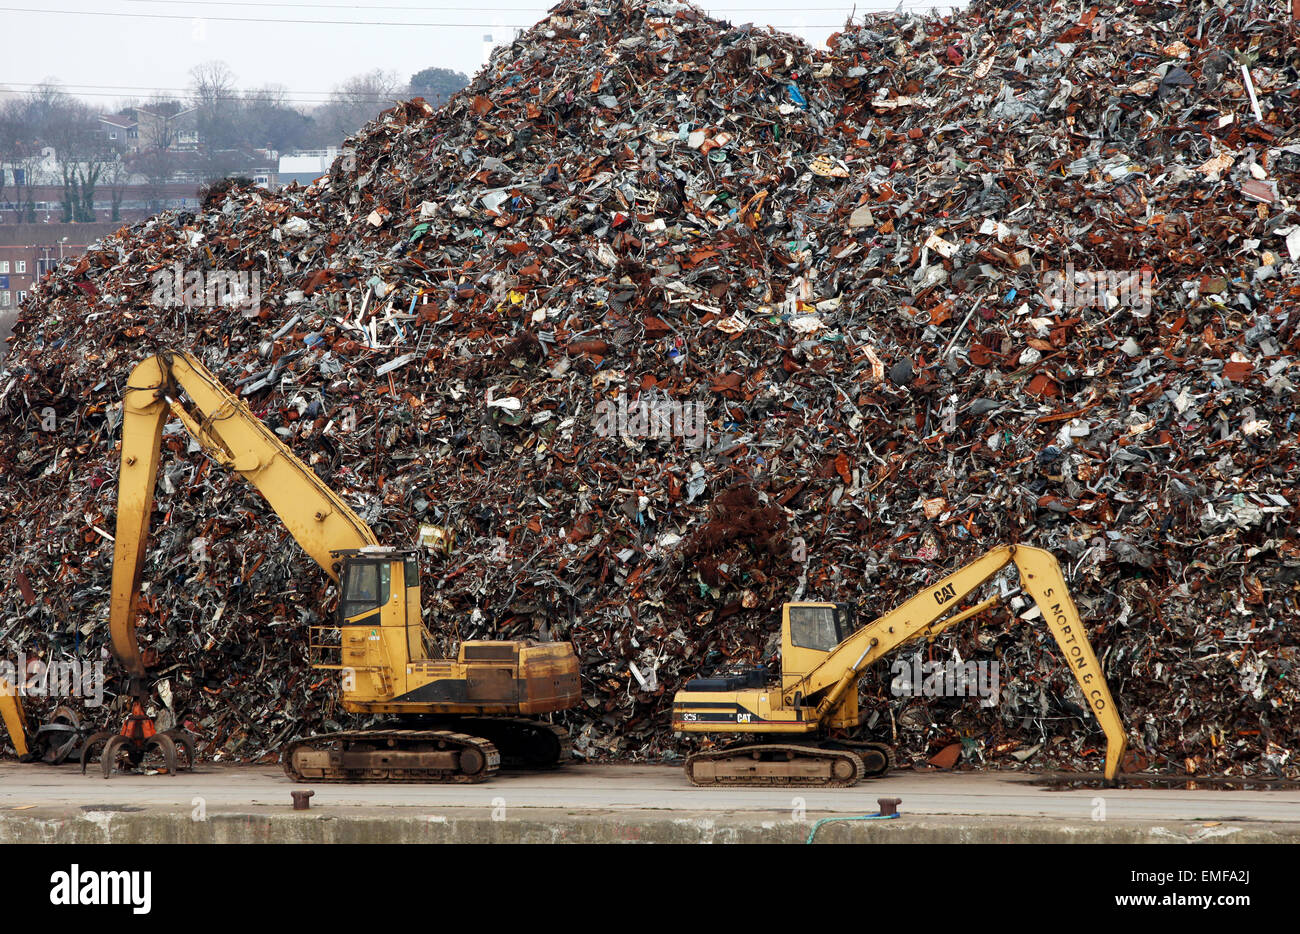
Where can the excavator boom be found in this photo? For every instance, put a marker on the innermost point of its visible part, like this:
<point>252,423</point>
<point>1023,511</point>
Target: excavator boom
<point>177,385</point>
<point>921,615</point>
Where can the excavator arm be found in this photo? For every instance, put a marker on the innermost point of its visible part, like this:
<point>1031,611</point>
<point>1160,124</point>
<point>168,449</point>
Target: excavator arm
<point>924,615</point>
<point>176,385</point>
<point>15,721</point>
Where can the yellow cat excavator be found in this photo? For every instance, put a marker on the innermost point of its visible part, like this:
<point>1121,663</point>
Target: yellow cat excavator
<point>458,718</point>
<point>798,729</point>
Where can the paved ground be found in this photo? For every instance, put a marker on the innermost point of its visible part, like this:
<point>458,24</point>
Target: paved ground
<point>590,802</point>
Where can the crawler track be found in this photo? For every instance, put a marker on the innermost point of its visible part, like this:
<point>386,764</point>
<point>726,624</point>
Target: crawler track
<point>772,765</point>
<point>433,756</point>
<point>877,758</point>
<point>524,743</point>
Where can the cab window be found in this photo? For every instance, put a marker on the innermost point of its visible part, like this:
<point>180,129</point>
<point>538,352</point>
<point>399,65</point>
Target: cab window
<point>814,627</point>
<point>365,587</point>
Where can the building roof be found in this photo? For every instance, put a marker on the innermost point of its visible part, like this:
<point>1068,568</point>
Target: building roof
<point>79,235</point>
<point>296,165</point>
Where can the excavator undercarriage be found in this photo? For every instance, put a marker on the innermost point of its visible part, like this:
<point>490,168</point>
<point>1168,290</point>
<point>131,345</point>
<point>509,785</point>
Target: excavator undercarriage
<point>392,756</point>
<point>830,763</point>
<point>428,749</point>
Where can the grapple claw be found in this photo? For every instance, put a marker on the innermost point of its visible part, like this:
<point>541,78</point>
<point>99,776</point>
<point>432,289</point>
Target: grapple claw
<point>87,748</point>
<point>61,738</point>
<point>168,748</point>
<point>136,739</point>
<point>108,758</point>
<point>184,741</point>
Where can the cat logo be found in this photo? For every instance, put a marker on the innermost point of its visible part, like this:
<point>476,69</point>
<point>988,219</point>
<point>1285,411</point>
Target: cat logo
<point>742,717</point>
<point>944,594</point>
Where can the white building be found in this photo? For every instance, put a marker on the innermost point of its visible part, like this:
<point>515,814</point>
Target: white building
<point>306,165</point>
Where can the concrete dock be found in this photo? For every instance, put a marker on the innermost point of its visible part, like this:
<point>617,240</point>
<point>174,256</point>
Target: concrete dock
<point>616,803</point>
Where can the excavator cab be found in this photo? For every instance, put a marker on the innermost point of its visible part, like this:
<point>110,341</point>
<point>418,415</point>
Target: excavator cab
<point>809,633</point>
<point>376,635</point>
<point>817,626</point>
<point>381,587</point>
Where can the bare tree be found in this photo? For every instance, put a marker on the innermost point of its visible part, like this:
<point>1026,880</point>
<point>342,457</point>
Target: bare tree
<point>26,121</point>
<point>47,116</point>
<point>24,161</point>
<point>44,99</point>
<point>81,151</point>
<point>11,132</point>
<point>10,129</point>
<point>358,100</point>
<point>117,175</point>
<point>267,120</point>
<point>157,166</point>
<point>212,89</point>
<point>50,115</point>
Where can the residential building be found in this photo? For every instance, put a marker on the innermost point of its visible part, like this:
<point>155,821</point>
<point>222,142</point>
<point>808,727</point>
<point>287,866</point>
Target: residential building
<point>28,251</point>
<point>135,201</point>
<point>143,129</point>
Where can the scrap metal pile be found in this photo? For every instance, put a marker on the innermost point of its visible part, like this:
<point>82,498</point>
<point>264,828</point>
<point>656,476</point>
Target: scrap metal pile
<point>1005,276</point>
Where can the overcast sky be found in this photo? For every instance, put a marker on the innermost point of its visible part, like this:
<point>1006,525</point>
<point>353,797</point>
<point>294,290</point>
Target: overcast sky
<point>113,49</point>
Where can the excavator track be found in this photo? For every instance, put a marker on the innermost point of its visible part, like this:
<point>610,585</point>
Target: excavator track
<point>524,743</point>
<point>440,756</point>
<point>887,752</point>
<point>877,758</point>
<point>773,765</point>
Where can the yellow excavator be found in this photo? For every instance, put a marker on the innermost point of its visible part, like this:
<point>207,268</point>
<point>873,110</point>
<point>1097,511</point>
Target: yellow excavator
<point>798,729</point>
<point>458,718</point>
<point>462,714</point>
<point>56,741</point>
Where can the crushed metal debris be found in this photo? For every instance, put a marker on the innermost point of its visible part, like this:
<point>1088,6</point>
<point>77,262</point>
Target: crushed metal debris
<point>1009,275</point>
